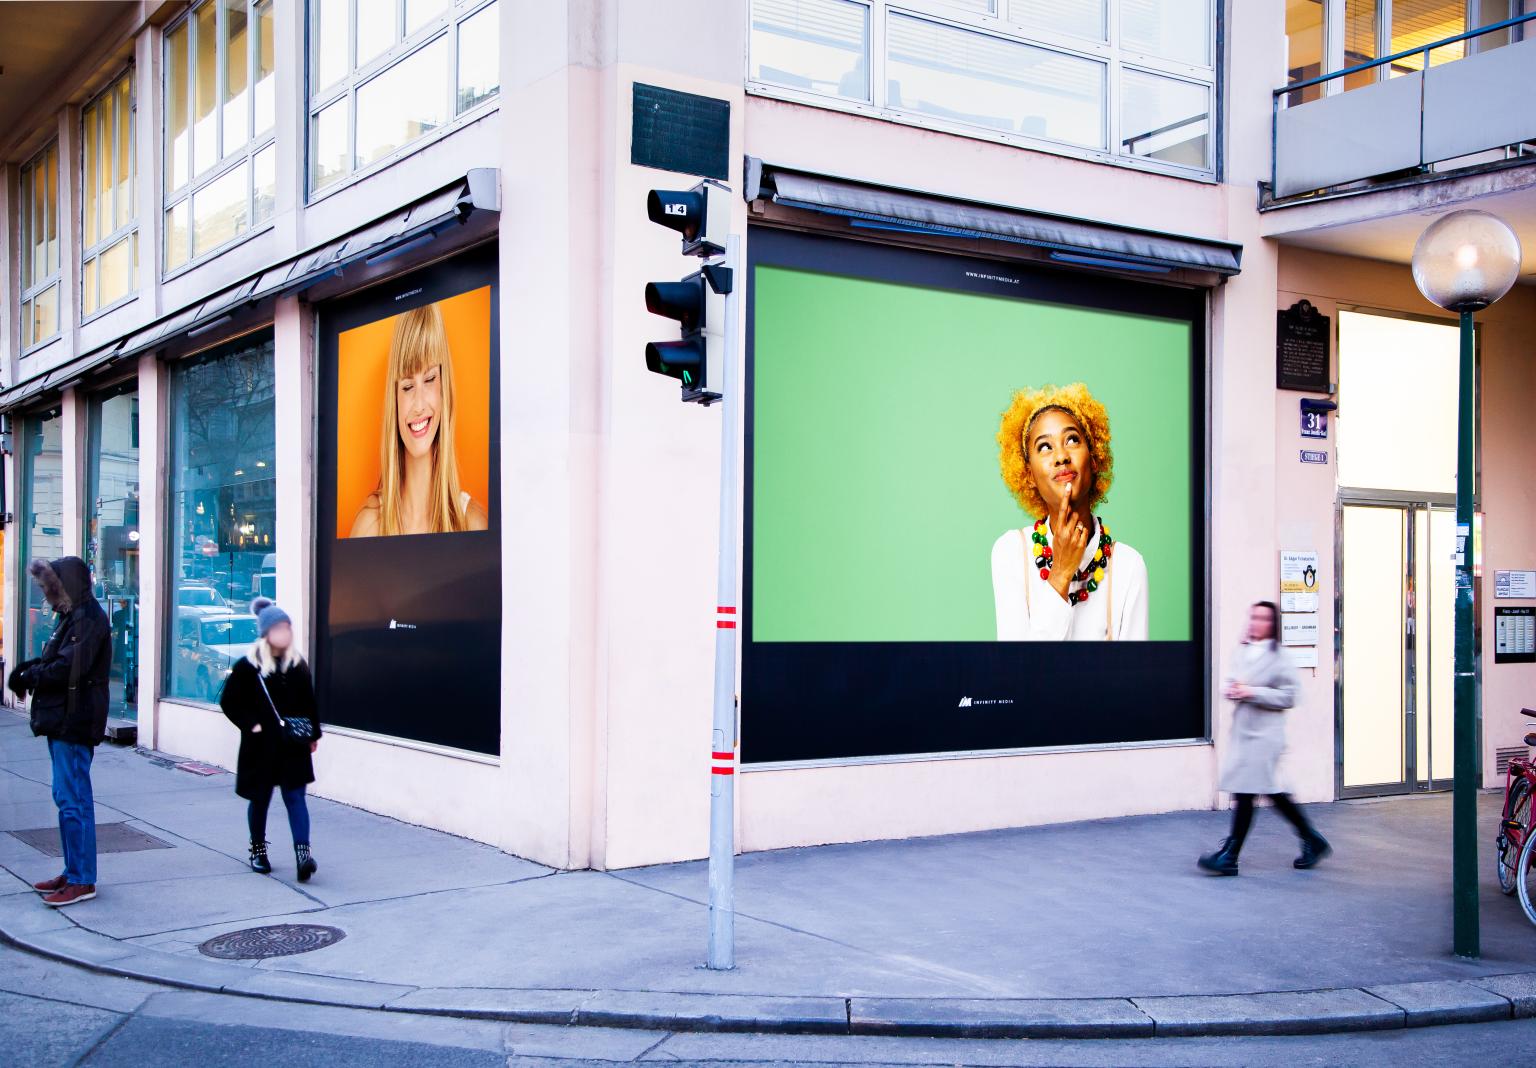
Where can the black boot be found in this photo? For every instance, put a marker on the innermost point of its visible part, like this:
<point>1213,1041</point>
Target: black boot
<point>1223,861</point>
<point>306,863</point>
<point>1314,847</point>
<point>259,862</point>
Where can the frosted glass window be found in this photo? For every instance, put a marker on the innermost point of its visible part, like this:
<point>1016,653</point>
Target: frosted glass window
<point>1397,403</point>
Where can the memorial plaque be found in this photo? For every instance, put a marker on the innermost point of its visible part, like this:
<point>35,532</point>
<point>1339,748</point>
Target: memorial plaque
<point>1301,349</point>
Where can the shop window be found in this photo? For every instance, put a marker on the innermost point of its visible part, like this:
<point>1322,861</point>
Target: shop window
<point>222,507</point>
<point>387,73</point>
<point>110,226</point>
<point>42,529</point>
<point>39,247</point>
<point>112,532</point>
<point>1065,76</point>
<point>219,103</point>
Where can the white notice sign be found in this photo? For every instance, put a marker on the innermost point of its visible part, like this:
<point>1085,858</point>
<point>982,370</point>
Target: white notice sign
<point>1298,602</point>
<point>1304,656</point>
<point>1298,629</point>
<point>1515,584</point>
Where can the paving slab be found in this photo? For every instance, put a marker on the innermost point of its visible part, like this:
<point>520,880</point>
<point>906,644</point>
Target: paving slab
<point>1450,1001</point>
<point>525,1006</point>
<point>1016,1018</point>
<point>664,1011</point>
<point>1520,989</point>
<point>1295,1012</point>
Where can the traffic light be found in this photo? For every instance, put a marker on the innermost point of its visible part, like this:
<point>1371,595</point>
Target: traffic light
<point>702,216</point>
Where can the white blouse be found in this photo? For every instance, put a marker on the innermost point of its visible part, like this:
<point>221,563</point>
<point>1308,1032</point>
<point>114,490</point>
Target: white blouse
<point>1028,609</point>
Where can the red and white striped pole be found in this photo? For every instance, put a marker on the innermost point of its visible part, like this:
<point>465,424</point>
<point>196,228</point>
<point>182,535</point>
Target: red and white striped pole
<point>722,779</point>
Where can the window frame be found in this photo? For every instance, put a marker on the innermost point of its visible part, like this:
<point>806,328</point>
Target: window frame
<point>54,277</point>
<point>89,254</point>
<point>255,144</point>
<point>345,88</point>
<point>998,24</point>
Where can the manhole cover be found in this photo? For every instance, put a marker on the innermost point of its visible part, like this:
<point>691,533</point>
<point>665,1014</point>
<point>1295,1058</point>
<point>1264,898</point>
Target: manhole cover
<point>277,940</point>
<point>110,838</point>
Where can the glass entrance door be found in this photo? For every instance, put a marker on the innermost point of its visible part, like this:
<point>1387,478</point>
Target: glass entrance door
<point>112,535</point>
<point>1397,588</point>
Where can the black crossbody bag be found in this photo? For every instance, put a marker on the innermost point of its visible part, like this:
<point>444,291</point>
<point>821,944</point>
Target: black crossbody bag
<point>299,730</point>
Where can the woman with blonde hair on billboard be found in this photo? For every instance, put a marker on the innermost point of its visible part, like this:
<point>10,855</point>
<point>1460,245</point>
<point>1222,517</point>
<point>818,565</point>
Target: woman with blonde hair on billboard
<point>418,473</point>
<point>1064,578</point>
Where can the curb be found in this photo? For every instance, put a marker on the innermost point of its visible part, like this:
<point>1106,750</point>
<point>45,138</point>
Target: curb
<point>1294,1012</point>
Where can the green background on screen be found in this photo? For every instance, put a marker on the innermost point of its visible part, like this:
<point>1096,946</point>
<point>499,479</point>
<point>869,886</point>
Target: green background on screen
<point>876,491</point>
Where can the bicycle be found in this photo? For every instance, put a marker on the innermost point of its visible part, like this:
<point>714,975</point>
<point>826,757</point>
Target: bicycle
<point>1516,838</point>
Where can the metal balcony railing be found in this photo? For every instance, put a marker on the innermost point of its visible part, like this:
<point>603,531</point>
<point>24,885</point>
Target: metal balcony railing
<point>1407,122</point>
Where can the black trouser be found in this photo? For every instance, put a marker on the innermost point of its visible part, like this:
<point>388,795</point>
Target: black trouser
<point>1242,818</point>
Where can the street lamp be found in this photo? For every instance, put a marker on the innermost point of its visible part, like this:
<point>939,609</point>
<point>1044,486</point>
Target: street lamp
<point>1464,262</point>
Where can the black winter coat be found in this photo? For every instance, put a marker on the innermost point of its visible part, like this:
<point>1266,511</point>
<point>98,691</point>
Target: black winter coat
<point>267,758</point>
<point>68,681</point>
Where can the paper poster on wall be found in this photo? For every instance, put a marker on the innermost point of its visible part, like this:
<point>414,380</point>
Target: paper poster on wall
<point>1298,602</point>
<point>1518,585</point>
<point>1298,571</point>
<point>1298,629</point>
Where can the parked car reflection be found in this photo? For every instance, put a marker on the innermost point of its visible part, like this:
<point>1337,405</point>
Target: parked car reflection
<point>207,645</point>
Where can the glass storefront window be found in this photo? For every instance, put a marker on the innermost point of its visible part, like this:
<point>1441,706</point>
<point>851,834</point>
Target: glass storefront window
<point>222,505</point>
<point>112,534</point>
<point>42,528</point>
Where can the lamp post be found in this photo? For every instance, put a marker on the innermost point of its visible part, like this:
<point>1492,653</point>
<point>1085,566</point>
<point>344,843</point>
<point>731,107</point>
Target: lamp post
<point>1464,262</point>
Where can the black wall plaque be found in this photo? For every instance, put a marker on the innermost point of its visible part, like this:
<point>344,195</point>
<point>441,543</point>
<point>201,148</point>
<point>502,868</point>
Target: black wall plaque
<point>681,132</point>
<point>1301,349</point>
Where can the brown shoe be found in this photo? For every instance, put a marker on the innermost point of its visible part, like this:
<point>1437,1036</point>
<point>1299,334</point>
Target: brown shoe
<point>71,894</point>
<point>48,886</point>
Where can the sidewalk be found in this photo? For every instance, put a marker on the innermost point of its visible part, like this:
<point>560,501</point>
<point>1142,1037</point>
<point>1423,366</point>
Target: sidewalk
<point>1089,929</point>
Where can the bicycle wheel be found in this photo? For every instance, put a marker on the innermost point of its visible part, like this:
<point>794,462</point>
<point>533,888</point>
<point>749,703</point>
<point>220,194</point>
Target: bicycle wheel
<point>1525,878</point>
<point>1518,809</point>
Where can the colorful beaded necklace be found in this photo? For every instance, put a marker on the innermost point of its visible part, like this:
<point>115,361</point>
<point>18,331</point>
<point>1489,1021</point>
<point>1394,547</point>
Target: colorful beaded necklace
<point>1090,576</point>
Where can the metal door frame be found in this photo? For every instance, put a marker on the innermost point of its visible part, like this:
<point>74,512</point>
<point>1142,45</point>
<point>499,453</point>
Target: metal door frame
<point>1409,504</point>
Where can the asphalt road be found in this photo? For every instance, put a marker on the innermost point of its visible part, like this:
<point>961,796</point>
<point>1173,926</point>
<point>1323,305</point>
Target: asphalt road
<point>56,1014</point>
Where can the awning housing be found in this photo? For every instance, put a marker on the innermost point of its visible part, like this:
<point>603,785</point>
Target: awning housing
<point>479,190</point>
<point>1076,242</point>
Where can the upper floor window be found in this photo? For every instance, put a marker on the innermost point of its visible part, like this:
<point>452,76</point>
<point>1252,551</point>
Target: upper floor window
<point>1109,79</point>
<point>39,233</point>
<point>384,73</point>
<point>110,237</point>
<point>220,162</point>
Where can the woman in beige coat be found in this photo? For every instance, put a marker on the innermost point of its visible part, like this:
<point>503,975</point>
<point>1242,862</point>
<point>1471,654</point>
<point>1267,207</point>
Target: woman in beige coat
<point>1263,684</point>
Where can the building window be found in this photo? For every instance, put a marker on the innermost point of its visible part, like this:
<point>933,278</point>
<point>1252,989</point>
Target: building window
<point>1115,80</point>
<point>380,82</point>
<point>110,227</point>
<point>39,218</point>
<point>222,512</point>
<point>219,126</point>
<point>42,531</point>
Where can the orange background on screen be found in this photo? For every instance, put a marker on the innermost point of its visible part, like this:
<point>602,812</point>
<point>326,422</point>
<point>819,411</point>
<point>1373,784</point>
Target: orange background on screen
<point>362,357</point>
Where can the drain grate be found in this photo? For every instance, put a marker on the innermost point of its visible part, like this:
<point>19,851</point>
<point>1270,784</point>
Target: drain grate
<point>110,838</point>
<point>276,940</point>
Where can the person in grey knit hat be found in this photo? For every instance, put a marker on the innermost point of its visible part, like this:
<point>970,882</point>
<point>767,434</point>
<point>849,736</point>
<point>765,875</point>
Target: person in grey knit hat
<point>267,692</point>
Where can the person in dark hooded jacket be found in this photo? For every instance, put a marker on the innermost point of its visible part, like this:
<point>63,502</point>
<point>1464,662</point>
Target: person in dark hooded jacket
<point>68,683</point>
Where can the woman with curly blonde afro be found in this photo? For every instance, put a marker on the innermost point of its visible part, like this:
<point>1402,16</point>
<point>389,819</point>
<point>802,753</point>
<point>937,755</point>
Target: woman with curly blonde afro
<point>1063,577</point>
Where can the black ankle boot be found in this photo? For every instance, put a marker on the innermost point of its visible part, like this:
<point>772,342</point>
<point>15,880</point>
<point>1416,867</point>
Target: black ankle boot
<point>1314,848</point>
<point>1223,861</point>
<point>307,865</point>
<point>259,862</point>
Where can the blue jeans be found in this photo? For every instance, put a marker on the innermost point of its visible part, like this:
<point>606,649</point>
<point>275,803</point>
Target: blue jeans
<point>298,815</point>
<point>77,809</point>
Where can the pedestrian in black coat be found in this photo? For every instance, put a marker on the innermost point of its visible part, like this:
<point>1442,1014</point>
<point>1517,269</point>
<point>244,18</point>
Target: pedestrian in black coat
<point>68,683</point>
<point>269,685</point>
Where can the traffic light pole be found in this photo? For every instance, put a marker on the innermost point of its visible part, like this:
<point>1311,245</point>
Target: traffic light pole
<point>722,785</point>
